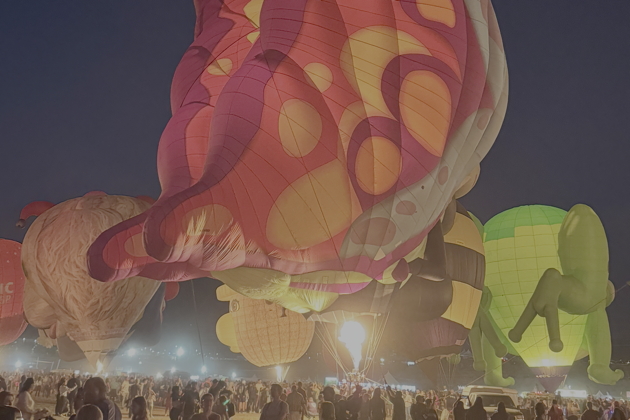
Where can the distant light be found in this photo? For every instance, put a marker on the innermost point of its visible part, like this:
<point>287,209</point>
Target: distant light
<point>204,369</point>
<point>279,373</point>
<point>180,352</point>
<point>159,375</point>
<point>234,374</point>
<point>195,377</point>
<point>18,364</point>
<point>131,352</point>
<point>411,363</point>
<point>173,369</point>
<point>382,360</point>
<point>99,367</point>
<point>76,372</point>
<point>139,363</point>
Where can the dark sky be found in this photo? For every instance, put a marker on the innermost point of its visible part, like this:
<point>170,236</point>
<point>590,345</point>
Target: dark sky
<point>85,96</point>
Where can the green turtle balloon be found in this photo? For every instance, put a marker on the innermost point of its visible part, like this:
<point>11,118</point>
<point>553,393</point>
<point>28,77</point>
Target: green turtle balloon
<point>545,295</point>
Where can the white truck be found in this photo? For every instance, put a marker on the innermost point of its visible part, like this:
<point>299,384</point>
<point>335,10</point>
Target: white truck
<point>491,397</point>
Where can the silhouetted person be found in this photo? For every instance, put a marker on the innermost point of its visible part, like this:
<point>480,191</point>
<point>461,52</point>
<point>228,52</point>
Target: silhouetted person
<point>377,406</point>
<point>477,412</point>
<point>540,409</point>
<point>459,412</point>
<point>89,412</point>
<point>96,393</point>
<point>327,408</point>
<point>501,413</point>
<point>555,413</point>
<point>418,409</point>
<point>276,409</point>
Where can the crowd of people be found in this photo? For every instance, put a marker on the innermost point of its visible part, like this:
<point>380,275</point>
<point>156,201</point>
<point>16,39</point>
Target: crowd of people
<point>96,398</point>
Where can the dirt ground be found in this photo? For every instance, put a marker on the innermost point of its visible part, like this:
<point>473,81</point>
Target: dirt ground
<point>158,412</point>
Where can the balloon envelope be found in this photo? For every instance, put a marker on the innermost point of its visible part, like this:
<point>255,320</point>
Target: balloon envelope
<point>95,315</point>
<point>265,333</point>
<point>521,244</point>
<point>12,323</point>
<point>364,124</point>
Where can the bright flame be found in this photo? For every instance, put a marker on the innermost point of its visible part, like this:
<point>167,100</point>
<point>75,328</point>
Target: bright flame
<point>353,336</point>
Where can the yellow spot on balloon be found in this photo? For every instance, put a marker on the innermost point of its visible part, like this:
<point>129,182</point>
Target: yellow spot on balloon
<point>299,127</point>
<point>425,107</point>
<point>441,11</point>
<point>463,307</point>
<point>212,219</point>
<point>253,36</point>
<point>351,117</point>
<point>322,197</point>
<point>134,246</point>
<point>252,12</point>
<point>366,54</point>
<point>378,165</point>
<point>320,74</point>
<point>226,332</point>
<point>220,67</point>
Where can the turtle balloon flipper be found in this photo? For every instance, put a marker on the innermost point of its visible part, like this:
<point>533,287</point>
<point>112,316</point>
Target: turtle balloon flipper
<point>599,349</point>
<point>494,366</point>
<point>486,346</point>
<point>544,302</point>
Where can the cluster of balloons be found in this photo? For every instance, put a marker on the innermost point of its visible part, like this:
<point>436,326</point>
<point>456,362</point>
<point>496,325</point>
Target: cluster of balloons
<point>314,147</point>
<point>313,163</point>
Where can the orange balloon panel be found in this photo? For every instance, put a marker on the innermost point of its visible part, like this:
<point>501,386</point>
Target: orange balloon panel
<point>267,334</point>
<point>12,323</point>
<point>300,126</point>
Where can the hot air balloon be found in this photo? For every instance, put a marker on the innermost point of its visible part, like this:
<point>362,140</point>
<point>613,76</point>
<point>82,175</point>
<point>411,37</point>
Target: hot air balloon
<point>12,323</point>
<point>314,144</point>
<point>541,260</point>
<point>265,333</point>
<point>96,316</point>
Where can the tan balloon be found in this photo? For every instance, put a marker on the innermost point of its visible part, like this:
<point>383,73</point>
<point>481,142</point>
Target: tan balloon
<point>96,315</point>
<point>266,333</point>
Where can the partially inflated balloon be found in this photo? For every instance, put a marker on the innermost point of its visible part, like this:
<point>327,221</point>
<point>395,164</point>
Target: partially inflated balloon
<point>12,323</point>
<point>445,334</point>
<point>266,334</point>
<point>95,315</point>
<point>314,144</point>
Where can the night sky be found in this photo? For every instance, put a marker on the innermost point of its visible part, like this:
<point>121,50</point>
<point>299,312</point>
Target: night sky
<point>85,96</point>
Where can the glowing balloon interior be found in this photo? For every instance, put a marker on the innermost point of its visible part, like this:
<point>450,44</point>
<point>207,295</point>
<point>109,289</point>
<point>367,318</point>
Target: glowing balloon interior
<point>352,334</point>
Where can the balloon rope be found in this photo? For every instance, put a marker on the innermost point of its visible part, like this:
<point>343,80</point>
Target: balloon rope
<point>377,340</point>
<point>545,338</point>
<point>192,286</point>
<point>330,344</point>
